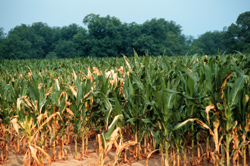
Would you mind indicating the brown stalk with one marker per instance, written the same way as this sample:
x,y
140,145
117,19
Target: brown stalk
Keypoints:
x,y
87,143
224,84
16,127
145,144
45,122
236,144
43,152
83,135
123,146
149,155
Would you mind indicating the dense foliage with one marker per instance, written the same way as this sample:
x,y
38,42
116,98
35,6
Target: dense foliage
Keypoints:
x,y
165,103
109,37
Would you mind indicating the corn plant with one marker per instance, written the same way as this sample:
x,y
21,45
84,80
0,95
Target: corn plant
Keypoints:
x,y
139,102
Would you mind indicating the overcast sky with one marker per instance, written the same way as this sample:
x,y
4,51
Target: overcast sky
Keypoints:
x,y
195,16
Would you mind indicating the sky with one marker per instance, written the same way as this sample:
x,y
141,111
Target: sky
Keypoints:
x,y
195,16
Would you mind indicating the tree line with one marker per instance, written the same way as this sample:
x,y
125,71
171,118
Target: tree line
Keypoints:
x,y
108,36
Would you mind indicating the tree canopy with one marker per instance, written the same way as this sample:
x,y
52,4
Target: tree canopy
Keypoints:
x,y
108,36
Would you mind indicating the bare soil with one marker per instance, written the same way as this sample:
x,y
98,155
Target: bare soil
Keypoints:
x,y
91,158
88,160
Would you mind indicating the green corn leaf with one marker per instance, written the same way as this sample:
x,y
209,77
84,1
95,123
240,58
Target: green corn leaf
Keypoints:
x,y
189,72
132,120
137,81
208,74
79,94
146,120
112,126
117,107
238,85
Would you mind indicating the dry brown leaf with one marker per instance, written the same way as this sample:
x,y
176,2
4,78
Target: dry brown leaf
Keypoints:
x,y
121,70
19,101
128,73
89,76
126,60
66,154
216,135
225,80
122,146
85,96
96,71
29,75
72,89
15,124
74,75
190,70
20,76
112,141
33,153
50,75
63,94
28,102
43,152
224,84
40,86
205,126
57,84
114,120
149,155
100,144
41,117
208,108
69,111
25,158
45,122
36,105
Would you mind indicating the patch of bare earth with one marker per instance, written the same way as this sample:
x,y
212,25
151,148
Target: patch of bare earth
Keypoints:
x,y
91,158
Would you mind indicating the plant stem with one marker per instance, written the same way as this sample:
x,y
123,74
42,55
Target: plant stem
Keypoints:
x,y
178,156
136,140
145,144
83,142
75,145
207,141
87,143
18,142
63,147
192,129
166,153
227,149
198,147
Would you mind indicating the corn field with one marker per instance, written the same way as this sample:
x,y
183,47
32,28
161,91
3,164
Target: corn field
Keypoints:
x,y
137,106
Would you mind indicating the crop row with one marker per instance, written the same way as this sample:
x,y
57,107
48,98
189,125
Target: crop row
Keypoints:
x,y
139,105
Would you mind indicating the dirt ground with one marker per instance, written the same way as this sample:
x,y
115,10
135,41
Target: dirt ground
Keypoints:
x,y
91,158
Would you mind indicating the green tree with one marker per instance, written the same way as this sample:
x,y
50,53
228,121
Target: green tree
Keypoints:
x,y
3,45
2,34
159,36
23,43
45,32
237,36
104,35
51,55
130,32
243,24
208,43
80,41
188,43
65,49
230,39
68,32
